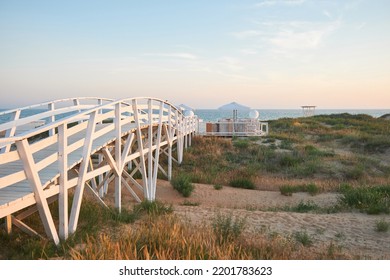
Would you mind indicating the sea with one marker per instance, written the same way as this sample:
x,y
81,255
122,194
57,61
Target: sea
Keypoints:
x,y
273,114
211,115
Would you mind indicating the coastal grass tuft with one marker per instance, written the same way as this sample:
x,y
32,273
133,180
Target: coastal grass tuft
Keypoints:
x,y
305,207
182,183
228,228
243,183
369,199
382,226
288,190
152,208
304,238
167,238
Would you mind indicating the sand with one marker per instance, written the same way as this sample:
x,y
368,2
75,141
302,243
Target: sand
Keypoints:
x,y
353,231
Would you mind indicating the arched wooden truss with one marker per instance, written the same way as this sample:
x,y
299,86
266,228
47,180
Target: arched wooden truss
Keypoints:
x,y
85,143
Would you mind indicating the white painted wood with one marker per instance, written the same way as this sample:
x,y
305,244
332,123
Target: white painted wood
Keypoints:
x,y
126,174
130,190
8,224
157,154
63,182
140,149
35,182
150,156
25,228
126,150
118,156
75,212
52,118
11,131
158,126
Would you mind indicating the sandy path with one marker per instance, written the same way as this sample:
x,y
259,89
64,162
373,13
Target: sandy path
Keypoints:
x,y
354,232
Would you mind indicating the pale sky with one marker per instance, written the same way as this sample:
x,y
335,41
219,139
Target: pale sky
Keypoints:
x,y
204,53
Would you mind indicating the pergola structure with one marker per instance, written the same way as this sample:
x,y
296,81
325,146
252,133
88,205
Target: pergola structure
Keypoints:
x,y
308,110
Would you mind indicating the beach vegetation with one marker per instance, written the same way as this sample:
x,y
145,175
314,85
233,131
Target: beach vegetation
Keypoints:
x,y
304,238
243,183
190,203
288,190
305,207
369,199
182,183
382,226
228,228
152,208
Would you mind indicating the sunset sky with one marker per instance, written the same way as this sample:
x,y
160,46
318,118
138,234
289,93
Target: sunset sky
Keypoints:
x,y
204,53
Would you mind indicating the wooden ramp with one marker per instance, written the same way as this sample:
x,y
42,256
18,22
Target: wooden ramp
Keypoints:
x,y
85,143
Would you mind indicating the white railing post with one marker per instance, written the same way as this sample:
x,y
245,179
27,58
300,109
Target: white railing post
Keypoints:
x,y
157,152
52,118
63,181
141,150
170,136
75,212
35,183
118,156
150,154
180,138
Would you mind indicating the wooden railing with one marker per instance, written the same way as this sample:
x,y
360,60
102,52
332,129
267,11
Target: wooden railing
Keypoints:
x,y
102,142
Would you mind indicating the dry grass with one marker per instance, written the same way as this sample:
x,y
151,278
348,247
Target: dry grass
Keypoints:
x,y
166,238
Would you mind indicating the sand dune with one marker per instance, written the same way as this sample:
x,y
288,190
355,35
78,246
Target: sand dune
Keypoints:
x,y
353,231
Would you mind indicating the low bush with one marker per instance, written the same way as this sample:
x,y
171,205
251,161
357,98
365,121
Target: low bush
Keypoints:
x,y
288,190
304,238
243,183
382,226
182,183
369,199
304,207
228,228
154,208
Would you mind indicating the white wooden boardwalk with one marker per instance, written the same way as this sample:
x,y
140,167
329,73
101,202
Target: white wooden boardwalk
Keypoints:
x,y
85,143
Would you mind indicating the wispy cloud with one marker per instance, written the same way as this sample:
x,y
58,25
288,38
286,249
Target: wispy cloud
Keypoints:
x,y
186,56
327,14
361,26
248,51
302,35
247,34
291,34
230,63
267,3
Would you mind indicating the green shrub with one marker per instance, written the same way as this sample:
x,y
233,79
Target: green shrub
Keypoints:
x,y
304,207
241,143
218,187
289,161
228,228
190,203
355,173
312,189
382,226
288,190
286,144
304,238
243,183
182,183
154,208
373,200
